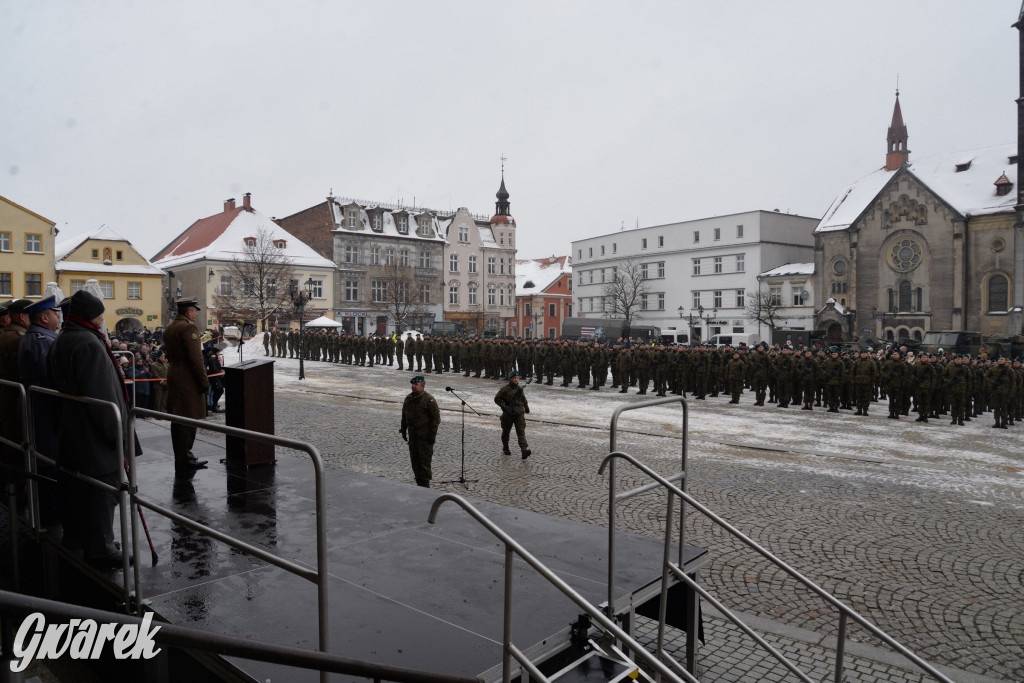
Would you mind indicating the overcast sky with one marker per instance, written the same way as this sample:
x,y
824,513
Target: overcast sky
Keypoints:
x,y
145,116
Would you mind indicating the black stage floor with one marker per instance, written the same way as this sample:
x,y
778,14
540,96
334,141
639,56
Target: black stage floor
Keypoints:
x,y
402,591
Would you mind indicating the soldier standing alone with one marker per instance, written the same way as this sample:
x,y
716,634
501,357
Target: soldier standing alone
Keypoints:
x,y
186,382
512,401
420,419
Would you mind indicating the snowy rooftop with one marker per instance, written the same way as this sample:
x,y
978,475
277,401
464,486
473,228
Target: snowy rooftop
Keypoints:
x,y
389,222
790,269
970,191
221,237
65,245
541,272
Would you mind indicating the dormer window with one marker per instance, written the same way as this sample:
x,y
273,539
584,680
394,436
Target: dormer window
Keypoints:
x,y
1012,160
280,244
403,224
963,166
378,223
250,241
425,228
1003,185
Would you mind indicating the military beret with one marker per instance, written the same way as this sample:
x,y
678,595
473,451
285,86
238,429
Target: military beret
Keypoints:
x,y
418,379
514,373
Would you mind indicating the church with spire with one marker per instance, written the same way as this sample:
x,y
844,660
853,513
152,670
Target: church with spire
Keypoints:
x,y
922,244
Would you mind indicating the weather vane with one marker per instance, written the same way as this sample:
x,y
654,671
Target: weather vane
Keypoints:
x,y
503,160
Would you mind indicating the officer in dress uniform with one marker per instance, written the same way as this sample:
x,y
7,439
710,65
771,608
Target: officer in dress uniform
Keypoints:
x,y
186,382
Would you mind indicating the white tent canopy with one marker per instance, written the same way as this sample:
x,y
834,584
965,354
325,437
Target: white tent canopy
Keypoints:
x,y
323,321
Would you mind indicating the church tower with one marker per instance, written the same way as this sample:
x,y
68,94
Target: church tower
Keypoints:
x,y
501,206
897,153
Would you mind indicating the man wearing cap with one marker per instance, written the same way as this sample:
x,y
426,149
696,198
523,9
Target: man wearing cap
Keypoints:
x,y
10,405
81,364
186,382
420,419
512,401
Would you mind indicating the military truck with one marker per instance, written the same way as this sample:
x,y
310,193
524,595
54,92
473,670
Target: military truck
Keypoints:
x,y
605,328
959,342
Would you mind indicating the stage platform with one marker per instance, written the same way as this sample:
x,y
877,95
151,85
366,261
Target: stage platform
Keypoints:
x,y
402,591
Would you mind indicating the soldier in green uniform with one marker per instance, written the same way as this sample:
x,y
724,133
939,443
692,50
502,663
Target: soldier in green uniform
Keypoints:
x,y
1001,381
807,379
865,374
734,371
420,419
512,401
956,388
266,343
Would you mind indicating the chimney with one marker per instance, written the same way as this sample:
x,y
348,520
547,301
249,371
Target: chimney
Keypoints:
x,y
246,202
229,204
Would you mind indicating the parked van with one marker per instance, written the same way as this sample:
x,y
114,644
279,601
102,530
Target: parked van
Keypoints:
x,y
674,335
733,339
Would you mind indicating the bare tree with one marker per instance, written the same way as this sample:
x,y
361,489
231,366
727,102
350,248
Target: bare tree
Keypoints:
x,y
765,307
395,293
625,295
258,286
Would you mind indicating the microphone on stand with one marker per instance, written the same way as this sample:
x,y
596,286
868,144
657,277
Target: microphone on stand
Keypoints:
x,y
447,388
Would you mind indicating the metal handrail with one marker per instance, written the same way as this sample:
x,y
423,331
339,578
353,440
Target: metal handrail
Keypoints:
x,y
513,548
17,604
844,611
612,499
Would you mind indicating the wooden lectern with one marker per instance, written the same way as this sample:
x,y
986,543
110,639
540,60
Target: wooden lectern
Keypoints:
x,y
249,394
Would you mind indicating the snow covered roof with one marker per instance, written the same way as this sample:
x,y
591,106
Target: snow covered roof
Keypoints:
x,y
221,237
64,246
389,223
965,180
542,273
487,237
790,269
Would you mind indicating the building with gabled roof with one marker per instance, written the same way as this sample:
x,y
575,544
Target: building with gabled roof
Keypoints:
x,y
922,244
200,260
132,286
543,297
26,251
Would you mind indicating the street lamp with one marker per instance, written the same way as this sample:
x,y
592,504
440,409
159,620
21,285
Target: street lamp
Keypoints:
x,y
707,318
300,297
690,317
172,296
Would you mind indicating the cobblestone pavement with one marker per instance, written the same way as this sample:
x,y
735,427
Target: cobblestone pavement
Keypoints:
x,y
917,527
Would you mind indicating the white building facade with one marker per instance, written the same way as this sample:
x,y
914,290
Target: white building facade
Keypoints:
x,y
697,274
791,289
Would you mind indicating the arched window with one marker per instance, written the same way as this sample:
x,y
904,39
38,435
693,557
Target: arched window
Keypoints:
x,y
998,291
902,334
888,335
891,307
917,335
919,299
905,302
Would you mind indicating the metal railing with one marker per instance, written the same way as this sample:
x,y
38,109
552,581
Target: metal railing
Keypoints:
x,y
845,612
16,604
509,650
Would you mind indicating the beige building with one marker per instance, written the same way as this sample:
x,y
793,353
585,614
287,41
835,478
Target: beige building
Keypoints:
x,y
26,252
131,285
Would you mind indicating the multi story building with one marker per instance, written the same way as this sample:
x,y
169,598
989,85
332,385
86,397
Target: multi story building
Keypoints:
x,y
26,251
452,266
131,285
694,274
203,262
788,298
543,297
926,244
480,268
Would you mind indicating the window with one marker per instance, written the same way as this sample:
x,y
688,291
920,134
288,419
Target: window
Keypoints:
x,y
661,300
106,286
492,265
643,302
718,264
378,290
502,264
717,302
741,298
120,255
472,293
568,310
696,236
34,285
839,288
590,277
5,284
696,266
775,296
796,295
403,258
615,248
602,275
425,227
501,296
225,287
352,218
718,234
643,243
453,263
95,253
590,252
5,242
425,293
644,274
492,296
998,290
552,310
250,242
134,290
661,268
472,264
271,286
424,259
501,238
33,243
602,250
906,298
579,253
739,231
316,289
403,224
77,286
374,256
464,234
661,241
280,244
351,254
378,222
401,291
351,290
741,263
695,304
389,256
453,296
